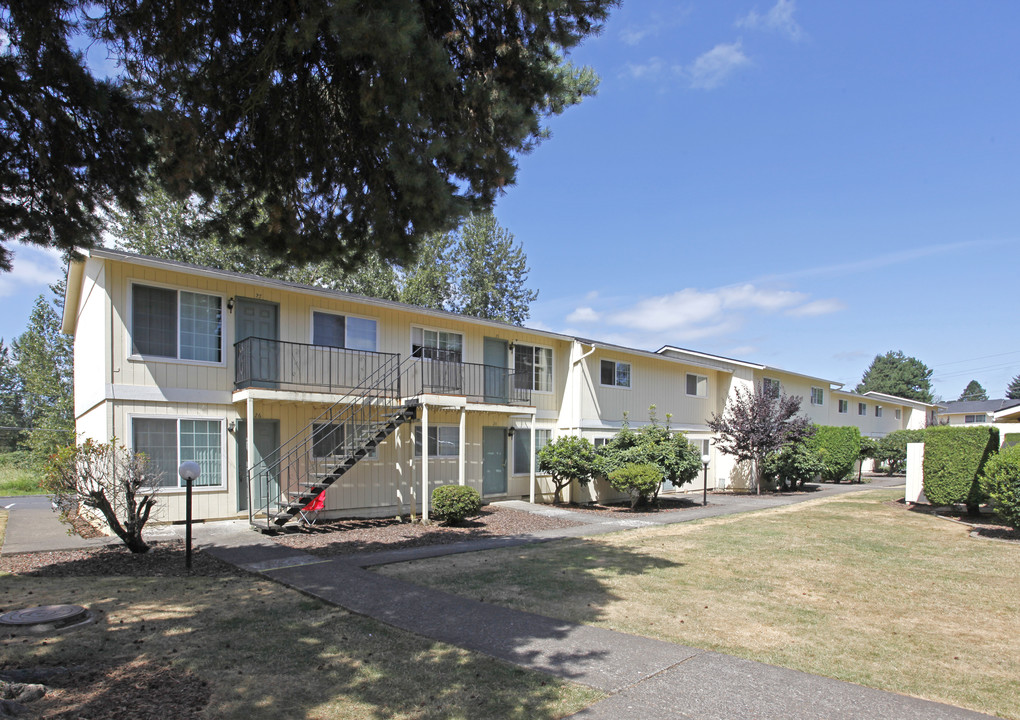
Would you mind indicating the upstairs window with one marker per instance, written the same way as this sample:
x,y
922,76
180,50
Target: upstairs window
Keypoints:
x,y
533,368
697,385
176,324
878,411
614,374
437,345
343,331
862,408
899,414
844,406
771,387
817,396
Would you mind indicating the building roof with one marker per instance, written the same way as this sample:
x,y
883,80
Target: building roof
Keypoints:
x,y
976,407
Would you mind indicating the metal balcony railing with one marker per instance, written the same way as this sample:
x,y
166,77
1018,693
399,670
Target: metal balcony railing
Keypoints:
x,y
477,383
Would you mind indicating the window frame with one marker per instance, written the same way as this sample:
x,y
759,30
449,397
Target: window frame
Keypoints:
x,y
878,411
534,365
767,383
178,289
181,487
345,316
843,408
899,413
687,391
616,374
975,418
426,328
821,396
862,409
526,433
417,435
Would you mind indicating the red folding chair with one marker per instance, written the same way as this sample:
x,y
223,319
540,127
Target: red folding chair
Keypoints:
x,y
310,512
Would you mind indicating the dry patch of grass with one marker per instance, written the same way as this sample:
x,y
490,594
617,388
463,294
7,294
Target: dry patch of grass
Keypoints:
x,y
848,587
258,650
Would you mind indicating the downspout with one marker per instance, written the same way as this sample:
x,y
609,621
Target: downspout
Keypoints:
x,y
577,387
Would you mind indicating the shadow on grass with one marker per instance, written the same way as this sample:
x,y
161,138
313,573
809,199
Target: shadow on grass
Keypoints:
x,y
263,651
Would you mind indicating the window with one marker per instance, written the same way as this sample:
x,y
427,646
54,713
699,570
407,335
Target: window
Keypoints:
x,y
599,442
343,331
771,387
170,441
176,324
522,441
327,439
702,445
697,385
974,418
615,374
878,411
444,441
437,344
844,406
899,414
533,368
862,408
817,396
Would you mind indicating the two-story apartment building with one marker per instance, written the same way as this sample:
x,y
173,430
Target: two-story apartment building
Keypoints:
x,y
280,390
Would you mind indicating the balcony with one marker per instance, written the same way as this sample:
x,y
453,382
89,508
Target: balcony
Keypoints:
x,y
278,365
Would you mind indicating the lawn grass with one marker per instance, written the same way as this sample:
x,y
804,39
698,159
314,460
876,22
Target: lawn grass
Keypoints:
x,y
850,587
18,476
270,652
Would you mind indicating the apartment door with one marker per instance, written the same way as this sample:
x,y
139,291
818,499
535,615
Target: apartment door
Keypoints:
x,y
259,360
267,443
494,356
493,461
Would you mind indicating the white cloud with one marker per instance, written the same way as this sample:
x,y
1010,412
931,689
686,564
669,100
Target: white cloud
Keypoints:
x,y
741,351
778,19
635,34
34,269
584,315
652,68
710,69
817,307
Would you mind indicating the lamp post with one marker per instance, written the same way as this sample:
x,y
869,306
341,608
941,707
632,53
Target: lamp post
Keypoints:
x,y
189,472
704,489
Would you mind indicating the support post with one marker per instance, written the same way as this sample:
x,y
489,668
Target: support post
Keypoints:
x,y
425,463
249,444
461,472
534,461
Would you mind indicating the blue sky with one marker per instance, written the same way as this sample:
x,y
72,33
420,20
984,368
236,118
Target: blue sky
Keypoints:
x,y
803,184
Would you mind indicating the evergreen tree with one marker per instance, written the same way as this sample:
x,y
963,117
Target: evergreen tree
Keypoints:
x,y
973,391
317,130
492,272
429,280
44,368
1013,389
12,413
899,375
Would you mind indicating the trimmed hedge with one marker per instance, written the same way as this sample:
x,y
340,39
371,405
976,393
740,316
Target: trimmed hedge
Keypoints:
x,y
838,449
1001,482
453,503
953,460
1010,439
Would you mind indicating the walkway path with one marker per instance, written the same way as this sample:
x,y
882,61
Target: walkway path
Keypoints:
x,y
648,679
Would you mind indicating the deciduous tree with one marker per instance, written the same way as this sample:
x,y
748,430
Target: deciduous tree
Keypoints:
x,y
567,459
896,374
319,130
756,423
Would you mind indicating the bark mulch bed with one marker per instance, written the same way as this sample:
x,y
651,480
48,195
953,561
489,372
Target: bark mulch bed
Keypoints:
x,y
347,537
164,559
985,525
662,504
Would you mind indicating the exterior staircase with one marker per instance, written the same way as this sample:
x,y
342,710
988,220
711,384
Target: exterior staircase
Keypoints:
x,y
328,447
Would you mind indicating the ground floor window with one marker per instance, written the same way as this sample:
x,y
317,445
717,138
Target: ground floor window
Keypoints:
x,y
522,446
444,441
170,441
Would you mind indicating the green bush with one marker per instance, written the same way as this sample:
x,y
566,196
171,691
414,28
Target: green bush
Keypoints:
x,y
1001,482
453,503
794,465
953,460
838,449
892,449
641,480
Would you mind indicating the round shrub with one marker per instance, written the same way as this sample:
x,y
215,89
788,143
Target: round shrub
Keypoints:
x,y
641,480
1001,482
792,466
453,503
838,448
